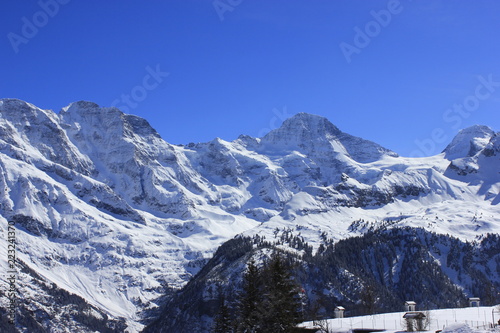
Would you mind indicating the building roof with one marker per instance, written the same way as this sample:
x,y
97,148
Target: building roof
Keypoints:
x,y
410,302
414,315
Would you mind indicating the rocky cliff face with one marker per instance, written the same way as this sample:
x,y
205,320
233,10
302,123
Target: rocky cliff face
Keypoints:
x,y
107,210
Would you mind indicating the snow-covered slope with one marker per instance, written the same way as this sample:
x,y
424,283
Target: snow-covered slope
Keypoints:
x,y
103,207
109,211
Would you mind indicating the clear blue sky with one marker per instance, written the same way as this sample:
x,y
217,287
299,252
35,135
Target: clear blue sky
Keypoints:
x,y
237,66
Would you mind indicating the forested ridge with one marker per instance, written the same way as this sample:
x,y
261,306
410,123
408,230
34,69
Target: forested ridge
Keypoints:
x,y
373,273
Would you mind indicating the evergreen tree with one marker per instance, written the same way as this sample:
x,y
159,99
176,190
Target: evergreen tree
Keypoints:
x,y
223,323
281,297
250,304
368,299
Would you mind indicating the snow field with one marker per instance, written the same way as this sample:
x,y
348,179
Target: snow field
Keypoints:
x,y
449,320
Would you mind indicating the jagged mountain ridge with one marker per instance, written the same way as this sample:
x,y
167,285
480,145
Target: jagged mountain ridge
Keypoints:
x,y
109,211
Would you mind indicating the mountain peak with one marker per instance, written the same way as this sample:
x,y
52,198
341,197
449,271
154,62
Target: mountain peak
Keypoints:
x,y
302,128
81,105
11,101
16,105
81,108
311,123
468,142
20,112
317,133
105,119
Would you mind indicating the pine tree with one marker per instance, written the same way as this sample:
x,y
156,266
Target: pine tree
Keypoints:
x,y
251,302
223,323
281,297
368,299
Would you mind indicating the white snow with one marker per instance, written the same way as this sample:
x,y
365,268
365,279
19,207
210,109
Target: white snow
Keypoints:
x,y
118,213
460,320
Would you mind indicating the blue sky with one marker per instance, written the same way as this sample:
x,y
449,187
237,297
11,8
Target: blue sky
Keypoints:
x,y
405,74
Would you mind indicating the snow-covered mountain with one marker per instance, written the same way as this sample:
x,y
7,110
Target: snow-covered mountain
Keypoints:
x,y
107,210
